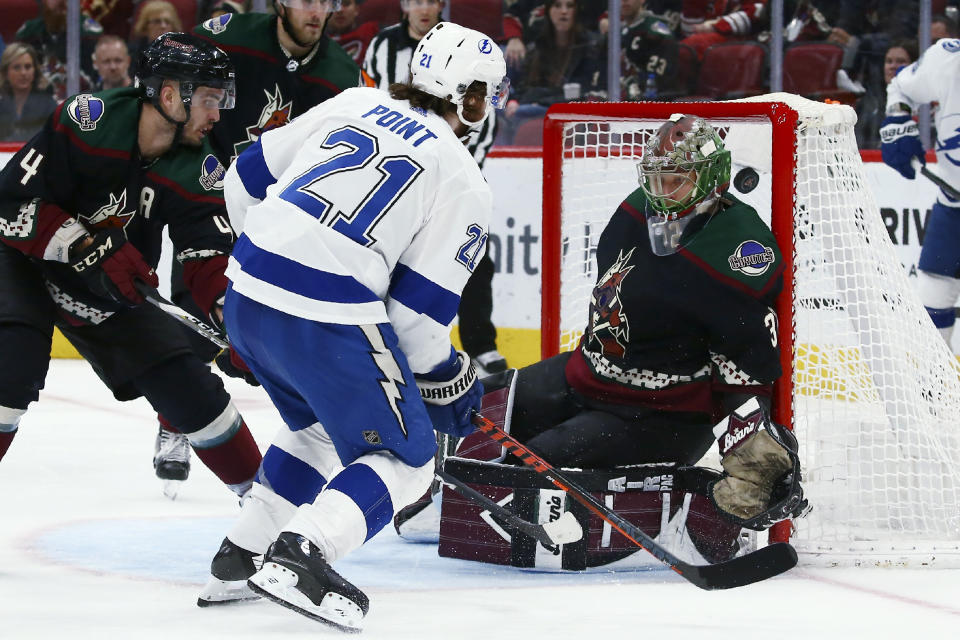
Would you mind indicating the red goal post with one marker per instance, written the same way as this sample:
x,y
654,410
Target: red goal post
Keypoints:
x,y
868,384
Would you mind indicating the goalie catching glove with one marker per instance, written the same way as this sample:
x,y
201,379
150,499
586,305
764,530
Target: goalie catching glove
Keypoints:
x,y
451,393
761,483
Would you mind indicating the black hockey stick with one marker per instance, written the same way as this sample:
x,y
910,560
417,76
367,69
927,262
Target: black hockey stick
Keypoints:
x,y
935,179
551,535
210,333
759,565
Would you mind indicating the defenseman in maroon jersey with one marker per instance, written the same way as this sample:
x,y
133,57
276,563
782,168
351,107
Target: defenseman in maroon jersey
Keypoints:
x,y
681,333
82,209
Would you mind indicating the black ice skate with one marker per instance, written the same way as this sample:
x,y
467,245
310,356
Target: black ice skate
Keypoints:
x,y
171,460
229,571
295,575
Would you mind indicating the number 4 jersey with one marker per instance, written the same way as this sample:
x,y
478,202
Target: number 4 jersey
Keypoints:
x,y
83,173
363,210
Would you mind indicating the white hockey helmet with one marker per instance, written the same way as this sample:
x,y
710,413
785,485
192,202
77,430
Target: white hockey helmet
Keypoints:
x,y
450,58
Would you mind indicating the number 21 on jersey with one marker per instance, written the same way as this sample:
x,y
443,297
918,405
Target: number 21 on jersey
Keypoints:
x,y
357,150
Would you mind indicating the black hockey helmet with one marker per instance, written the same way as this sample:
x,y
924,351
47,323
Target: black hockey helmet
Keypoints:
x,y
189,59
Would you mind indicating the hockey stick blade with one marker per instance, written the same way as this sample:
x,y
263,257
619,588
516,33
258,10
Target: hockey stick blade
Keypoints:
x,y
181,316
550,535
759,565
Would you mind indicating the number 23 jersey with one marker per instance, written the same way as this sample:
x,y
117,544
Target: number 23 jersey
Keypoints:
x,y
363,210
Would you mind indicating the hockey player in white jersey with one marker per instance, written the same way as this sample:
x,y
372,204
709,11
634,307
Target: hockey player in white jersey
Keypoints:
x,y
934,77
361,221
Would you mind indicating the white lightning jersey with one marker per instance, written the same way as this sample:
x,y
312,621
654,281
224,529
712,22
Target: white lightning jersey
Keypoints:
x,y
360,211
935,77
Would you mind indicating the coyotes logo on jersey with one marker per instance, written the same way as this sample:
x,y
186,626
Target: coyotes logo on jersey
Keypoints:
x,y
275,114
608,324
112,214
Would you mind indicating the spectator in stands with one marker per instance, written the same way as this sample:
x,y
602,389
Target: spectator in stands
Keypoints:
x,y
155,18
112,63
47,34
942,27
872,106
564,54
648,53
706,23
24,104
344,30
113,15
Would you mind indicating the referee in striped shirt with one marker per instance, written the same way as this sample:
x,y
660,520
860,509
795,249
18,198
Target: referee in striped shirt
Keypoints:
x,y
388,61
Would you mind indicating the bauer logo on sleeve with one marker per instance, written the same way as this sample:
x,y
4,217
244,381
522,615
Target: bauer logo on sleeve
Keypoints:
x,y
752,258
211,173
85,110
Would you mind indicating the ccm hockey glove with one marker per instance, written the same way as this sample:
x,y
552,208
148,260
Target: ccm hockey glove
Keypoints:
x,y
109,265
761,483
233,365
900,144
451,393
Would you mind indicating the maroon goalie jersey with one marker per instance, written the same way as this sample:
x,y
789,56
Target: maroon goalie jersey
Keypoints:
x,y
674,332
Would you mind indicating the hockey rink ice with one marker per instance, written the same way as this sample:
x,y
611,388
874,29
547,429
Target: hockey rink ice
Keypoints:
x,y
90,548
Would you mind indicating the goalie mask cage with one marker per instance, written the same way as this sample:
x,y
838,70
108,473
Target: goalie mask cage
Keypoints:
x,y
869,386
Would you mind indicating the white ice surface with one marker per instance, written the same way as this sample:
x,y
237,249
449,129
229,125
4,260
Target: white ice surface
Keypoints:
x,y
90,548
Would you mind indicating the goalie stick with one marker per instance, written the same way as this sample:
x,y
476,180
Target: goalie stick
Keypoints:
x,y
551,535
758,565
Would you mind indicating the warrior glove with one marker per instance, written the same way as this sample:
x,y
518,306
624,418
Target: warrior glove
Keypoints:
x,y
900,144
451,393
761,483
110,265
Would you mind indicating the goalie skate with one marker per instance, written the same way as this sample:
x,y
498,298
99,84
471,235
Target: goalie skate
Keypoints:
x,y
229,571
296,576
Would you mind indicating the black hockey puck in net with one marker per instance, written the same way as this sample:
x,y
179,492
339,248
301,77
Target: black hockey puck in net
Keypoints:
x,y
746,180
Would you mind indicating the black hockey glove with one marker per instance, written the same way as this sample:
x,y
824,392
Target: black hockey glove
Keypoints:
x,y
233,365
109,265
761,483
451,394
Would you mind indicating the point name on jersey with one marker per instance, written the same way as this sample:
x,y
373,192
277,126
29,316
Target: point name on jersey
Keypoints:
x,y
402,125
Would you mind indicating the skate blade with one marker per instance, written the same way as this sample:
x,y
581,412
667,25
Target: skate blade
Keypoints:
x,y
278,584
219,592
171,488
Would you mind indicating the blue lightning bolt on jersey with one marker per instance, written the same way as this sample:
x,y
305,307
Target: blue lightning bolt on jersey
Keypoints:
x,y
361,211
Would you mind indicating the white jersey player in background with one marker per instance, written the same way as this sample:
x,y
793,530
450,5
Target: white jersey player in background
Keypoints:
x,y
361,221
934,77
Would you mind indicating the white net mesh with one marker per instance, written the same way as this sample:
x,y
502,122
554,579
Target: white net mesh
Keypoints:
x,y
876,404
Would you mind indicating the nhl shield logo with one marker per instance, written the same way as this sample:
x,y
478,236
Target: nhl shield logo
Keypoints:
x,y
751,258
218,24
211,173
372,436
85,110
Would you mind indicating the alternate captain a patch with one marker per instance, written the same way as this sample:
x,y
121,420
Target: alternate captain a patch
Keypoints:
x,y
212,173
86,110
752,258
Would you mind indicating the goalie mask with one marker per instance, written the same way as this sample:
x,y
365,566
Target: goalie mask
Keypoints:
x,y
683,171
450,58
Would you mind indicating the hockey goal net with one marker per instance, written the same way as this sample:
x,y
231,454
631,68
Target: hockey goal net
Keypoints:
x,y
869,386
